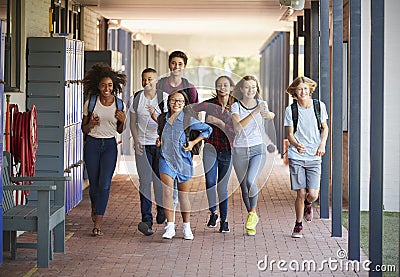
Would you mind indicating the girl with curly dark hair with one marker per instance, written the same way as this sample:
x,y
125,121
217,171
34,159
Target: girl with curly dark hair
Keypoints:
x,y
100,125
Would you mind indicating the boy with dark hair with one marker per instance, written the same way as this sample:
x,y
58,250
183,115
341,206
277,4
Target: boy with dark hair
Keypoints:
x,y
177,62
143,105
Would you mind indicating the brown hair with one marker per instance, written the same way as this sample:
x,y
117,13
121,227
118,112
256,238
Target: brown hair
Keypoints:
x,y
231,83
178,54
237,94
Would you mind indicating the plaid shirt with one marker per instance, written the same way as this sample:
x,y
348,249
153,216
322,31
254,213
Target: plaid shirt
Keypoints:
x,y
221,140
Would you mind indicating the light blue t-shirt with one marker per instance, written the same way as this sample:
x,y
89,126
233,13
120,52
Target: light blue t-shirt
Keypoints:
x,y
307,132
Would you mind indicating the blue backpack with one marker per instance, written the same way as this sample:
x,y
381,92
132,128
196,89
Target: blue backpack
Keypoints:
x,y
93,101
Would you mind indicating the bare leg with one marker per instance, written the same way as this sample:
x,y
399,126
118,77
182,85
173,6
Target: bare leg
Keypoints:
x,y
299,204
312,195
184,189
168,188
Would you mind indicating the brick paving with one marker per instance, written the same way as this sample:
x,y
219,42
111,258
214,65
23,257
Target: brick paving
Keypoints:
x,y
124,251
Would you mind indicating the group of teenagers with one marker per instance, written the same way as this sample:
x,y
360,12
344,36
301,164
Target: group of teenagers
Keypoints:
x,y
160,116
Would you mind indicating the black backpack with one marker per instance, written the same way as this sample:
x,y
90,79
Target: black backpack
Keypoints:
x,y
160,100
190,134
295,114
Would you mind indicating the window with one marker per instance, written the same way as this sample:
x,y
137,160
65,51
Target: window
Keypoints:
x,y
66,18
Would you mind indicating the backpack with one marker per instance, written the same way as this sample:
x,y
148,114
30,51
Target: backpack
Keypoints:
x,y
93,101
295,114
160,100
190,134
185,85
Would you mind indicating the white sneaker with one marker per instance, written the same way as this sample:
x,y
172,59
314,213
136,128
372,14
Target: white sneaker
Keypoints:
x,y
169,231
187,232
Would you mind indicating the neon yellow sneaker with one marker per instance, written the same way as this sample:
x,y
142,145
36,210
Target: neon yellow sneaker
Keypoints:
x,y
252,220
251,232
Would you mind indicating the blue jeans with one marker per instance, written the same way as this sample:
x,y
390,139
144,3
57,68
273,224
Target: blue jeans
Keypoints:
x,y
147,166
217,164
100,156
248,163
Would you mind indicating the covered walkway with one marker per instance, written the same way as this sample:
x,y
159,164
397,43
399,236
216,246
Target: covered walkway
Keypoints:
x,y
124,251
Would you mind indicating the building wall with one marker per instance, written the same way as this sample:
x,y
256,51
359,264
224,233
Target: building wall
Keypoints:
x,y
37,18
35,22
89,29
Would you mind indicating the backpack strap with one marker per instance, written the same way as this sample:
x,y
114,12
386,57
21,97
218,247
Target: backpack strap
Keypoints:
x,y
161,123
295,115
119,104
186,88
317,111
160,100
186,125
162,83
92,104
136,100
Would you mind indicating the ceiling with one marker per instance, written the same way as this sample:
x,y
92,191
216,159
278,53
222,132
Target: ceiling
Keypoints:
x,y
200,27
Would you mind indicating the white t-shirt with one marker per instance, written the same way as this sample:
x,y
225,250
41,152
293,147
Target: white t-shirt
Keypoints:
x,y
307,132
108,121
251,134
146,126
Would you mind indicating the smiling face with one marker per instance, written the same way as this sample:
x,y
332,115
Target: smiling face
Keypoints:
x,y
176,66
149,80
106,87
249,89
223,87
176,102
303,92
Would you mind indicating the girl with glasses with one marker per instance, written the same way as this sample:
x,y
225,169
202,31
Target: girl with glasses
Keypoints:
x,y
176,159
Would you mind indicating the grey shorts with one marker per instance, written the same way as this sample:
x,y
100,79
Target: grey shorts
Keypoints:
x,y
305,174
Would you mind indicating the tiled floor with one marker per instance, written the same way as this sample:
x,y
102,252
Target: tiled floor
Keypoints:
x,y
124,251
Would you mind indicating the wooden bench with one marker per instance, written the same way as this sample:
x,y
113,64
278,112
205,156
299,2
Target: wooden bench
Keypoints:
x,y
45,217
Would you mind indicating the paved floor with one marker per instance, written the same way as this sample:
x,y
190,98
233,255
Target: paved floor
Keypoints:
x,y
124,251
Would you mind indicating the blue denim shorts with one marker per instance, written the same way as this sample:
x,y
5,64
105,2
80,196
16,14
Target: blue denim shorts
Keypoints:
x,y
174,174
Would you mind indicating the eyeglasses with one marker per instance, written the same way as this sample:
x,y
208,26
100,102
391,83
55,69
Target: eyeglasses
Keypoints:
x,y
179,101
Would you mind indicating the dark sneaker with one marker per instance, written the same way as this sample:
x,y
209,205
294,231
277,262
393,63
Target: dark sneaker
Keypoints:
x,y
145,228
160,218
212,223
308,212
224,228
297,231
